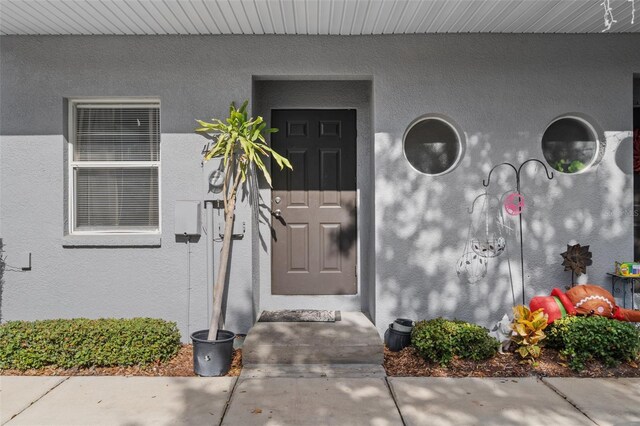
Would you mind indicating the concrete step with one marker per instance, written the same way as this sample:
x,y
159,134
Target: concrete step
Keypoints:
x,y
352,371
352,340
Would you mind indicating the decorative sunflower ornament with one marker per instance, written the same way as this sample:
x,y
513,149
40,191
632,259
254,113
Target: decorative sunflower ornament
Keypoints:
x,y
576,260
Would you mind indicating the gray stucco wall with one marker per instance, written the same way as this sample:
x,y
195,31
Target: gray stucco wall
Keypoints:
x,y
502,90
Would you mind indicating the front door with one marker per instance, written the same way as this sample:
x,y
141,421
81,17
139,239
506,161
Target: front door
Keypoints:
x,y
314,206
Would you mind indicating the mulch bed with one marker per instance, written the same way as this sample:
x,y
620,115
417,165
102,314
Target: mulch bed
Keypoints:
x,y
408,363
179,366
405,363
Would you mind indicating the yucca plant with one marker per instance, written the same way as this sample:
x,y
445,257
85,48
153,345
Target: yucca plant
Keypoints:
x,y
240,140
529,331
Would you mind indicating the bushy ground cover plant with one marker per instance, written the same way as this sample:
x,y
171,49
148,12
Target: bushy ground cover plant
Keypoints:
x,y
81,342
528,327
581,339
440,340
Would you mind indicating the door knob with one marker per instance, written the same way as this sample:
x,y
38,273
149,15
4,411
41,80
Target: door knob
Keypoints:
x,y
277,213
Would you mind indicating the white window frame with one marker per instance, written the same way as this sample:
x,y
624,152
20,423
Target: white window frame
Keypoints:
x,y
459,140
73,165
596,156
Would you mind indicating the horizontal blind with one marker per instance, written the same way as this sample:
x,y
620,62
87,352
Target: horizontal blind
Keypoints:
x,y
117,134
122,198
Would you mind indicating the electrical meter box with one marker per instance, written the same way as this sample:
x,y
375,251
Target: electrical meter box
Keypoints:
x,y
187,218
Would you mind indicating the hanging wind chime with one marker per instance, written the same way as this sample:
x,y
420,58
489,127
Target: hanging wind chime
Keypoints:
x,y
480,246
471,267
491,243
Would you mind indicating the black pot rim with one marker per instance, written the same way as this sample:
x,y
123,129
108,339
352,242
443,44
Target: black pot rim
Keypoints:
x,y
404,321
200,340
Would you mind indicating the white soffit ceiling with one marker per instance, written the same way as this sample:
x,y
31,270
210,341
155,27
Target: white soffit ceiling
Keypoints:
x,y
339,17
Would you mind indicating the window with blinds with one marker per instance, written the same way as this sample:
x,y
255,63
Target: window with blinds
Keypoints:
x,y
115,160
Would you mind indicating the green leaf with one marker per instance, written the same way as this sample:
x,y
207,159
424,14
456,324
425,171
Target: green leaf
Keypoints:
x,y
238,135
263,169
534,351
204,123
523,351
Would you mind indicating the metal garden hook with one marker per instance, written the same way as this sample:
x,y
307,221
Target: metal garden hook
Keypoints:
x,y
487,182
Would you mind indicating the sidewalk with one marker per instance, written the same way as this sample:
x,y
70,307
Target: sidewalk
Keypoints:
x,y
316,401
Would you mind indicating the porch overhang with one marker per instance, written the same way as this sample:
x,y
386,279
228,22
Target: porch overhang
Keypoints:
x,y
312,17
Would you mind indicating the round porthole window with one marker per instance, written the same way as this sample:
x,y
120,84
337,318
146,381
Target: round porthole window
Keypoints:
x,y
570,144
433,145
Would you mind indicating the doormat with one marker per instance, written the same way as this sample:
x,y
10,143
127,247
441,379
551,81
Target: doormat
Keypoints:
x,y
300,315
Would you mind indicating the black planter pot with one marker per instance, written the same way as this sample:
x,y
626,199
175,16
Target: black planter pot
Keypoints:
x,y
212,358
396,340
402,324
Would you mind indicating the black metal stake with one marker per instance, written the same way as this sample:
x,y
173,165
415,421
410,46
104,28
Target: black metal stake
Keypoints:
x,y
521,255
517,171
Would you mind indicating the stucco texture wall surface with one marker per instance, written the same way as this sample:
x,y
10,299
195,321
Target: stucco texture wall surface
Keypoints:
x,y
502,90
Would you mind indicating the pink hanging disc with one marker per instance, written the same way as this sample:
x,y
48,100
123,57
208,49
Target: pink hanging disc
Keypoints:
x,y
514,203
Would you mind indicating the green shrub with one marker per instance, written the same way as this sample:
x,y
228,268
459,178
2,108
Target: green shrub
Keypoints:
x,y
84,342
581,339
439,340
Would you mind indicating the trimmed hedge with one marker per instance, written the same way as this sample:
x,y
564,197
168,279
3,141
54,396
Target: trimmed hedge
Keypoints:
x,y
439,340
581,339
82,342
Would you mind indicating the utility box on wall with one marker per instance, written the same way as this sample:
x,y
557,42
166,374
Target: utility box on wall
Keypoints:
x,y
187,218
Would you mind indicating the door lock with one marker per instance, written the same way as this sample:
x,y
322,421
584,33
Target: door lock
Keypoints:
x,y
277,200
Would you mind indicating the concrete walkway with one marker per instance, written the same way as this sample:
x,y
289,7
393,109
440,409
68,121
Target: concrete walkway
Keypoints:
x,y
317,401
